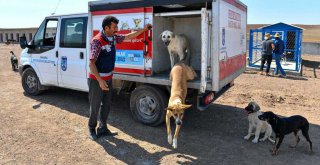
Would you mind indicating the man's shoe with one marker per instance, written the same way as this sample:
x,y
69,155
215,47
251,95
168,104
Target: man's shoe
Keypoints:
x,y
261,72
93,134
105,132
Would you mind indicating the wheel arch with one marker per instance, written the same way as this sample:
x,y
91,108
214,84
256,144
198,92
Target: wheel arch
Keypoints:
x,y
160,93
36,70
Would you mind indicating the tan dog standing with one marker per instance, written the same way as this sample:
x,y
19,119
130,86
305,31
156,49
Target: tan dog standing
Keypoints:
x,y
179,76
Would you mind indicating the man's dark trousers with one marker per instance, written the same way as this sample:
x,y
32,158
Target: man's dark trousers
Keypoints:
x,y
100,103
265,58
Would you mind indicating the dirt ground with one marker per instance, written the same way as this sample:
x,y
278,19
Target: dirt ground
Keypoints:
x,y
52,128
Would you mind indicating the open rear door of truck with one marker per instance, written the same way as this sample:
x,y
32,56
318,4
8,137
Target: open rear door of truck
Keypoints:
x,y
229,40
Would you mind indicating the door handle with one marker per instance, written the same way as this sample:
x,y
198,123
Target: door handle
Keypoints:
x,y
57,54
81,55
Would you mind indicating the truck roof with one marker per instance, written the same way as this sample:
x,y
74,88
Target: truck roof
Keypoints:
x,y
124,4
69,15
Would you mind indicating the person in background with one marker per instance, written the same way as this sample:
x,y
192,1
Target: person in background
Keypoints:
x,y
101,64
278,52
267,48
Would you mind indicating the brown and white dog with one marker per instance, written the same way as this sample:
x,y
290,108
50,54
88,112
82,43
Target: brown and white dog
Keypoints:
x,y
179,76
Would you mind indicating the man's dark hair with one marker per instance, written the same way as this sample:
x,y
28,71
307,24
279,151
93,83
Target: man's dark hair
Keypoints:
x,y
107,21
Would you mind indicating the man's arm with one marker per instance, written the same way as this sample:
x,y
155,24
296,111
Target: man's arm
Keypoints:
x,y
137,33
273,47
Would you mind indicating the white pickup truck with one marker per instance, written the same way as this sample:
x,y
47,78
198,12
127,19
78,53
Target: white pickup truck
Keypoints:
x,y
216,30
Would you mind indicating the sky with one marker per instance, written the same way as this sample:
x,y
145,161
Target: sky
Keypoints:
x,y
30,13
286,11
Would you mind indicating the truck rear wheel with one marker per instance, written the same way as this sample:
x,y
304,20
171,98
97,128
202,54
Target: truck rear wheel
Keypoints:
x,y
30,82
147,104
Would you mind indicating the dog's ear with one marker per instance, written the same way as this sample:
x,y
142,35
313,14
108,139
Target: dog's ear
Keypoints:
x,y
184,106
255,106
161,35
172,35
173,107
249,107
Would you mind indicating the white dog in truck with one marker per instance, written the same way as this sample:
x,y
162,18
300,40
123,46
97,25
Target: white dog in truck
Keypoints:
x,y
178,47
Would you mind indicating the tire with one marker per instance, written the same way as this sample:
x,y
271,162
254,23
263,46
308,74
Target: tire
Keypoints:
x,y
147,104
30,82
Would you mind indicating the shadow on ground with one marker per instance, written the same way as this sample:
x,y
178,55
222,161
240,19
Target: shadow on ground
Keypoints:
x,y
214,136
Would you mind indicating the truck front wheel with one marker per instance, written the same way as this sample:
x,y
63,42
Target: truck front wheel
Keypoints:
x,y
30,82
147,104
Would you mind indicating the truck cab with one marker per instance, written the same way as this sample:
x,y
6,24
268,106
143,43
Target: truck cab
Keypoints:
x,y
57,54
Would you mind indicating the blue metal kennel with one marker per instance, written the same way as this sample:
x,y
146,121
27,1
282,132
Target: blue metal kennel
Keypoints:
x,y
292,37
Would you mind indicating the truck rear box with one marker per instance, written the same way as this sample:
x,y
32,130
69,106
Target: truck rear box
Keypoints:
x,y
216,31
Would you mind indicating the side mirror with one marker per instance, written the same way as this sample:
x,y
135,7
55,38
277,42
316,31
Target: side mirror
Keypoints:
x,y
23,42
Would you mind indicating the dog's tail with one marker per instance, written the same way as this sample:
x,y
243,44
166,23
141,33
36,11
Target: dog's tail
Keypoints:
x,y
271,140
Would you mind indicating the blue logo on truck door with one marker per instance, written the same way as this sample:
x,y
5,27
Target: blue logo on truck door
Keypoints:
x,y
64,62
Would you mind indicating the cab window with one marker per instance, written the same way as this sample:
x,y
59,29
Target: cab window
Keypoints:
x,y
46,34
73,32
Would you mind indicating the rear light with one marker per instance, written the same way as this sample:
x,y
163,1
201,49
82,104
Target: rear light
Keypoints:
x,y
207,99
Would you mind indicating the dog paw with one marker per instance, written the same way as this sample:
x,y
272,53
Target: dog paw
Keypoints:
x,y
310,152
262,140
255,141
247,137
272,141
175,143
292,146
170,139
274,153
271,150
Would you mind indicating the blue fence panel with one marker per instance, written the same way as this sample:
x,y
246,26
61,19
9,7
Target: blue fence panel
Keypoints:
x,y
292,39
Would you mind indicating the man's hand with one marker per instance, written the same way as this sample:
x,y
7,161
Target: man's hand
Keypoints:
x,y
137,33
103,85
147,27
